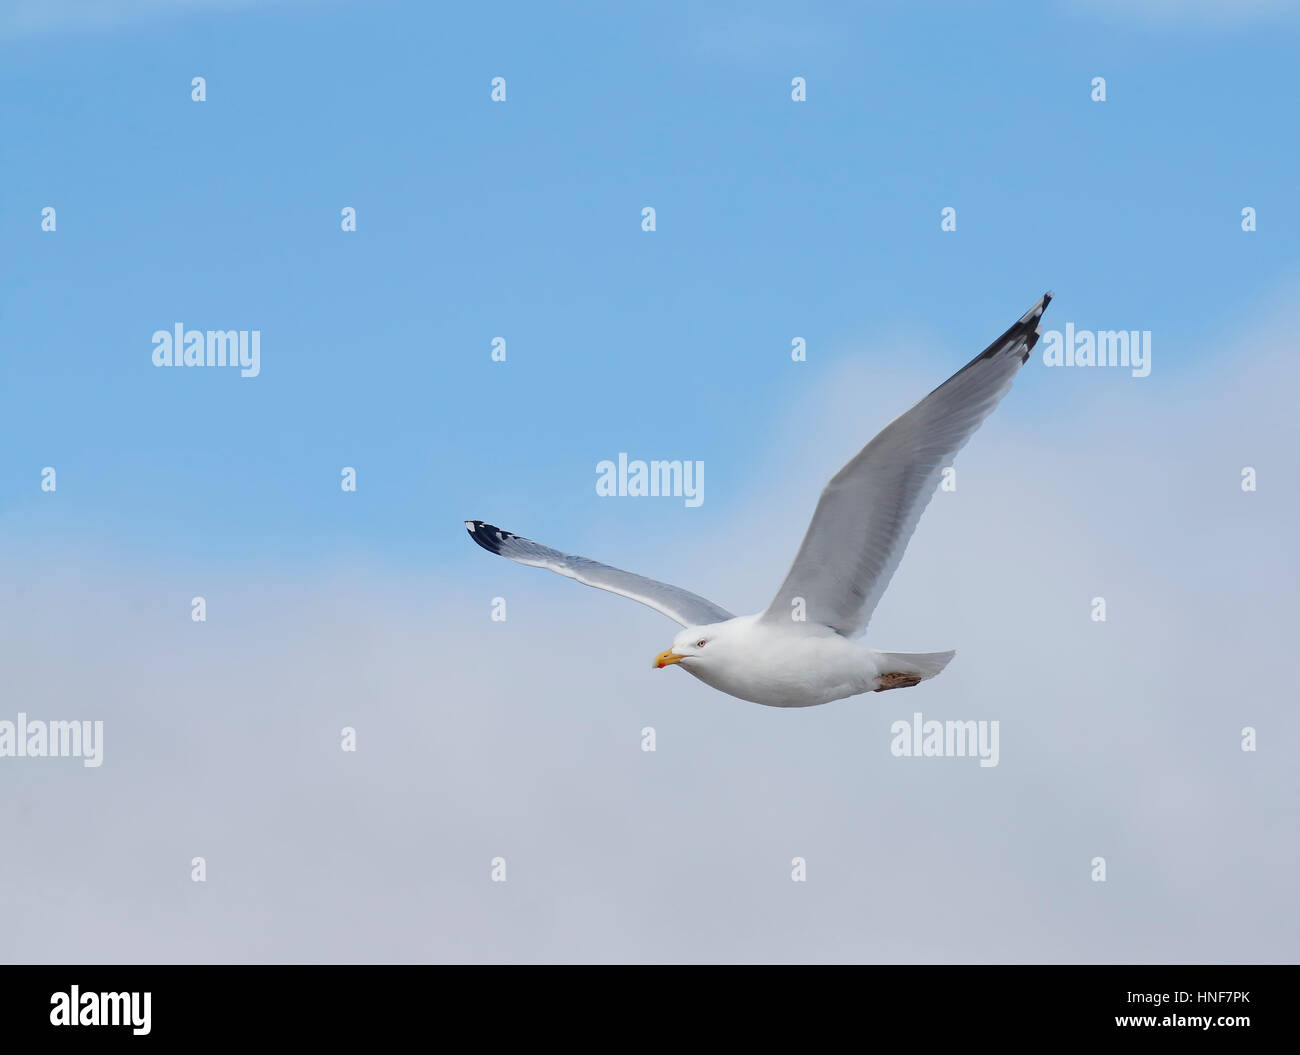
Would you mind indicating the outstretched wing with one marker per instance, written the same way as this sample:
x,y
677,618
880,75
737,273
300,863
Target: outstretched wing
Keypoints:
x,y
677,604
868,511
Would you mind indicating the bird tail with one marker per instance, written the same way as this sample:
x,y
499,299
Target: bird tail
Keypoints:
x,y
921,665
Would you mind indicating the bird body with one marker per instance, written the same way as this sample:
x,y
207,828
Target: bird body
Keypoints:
x,y
796,666
800,651
800,665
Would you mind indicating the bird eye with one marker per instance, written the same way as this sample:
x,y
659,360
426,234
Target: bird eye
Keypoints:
x,y
700,643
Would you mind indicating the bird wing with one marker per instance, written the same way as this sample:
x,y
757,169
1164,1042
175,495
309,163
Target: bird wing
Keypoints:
x,y
677,604
870,508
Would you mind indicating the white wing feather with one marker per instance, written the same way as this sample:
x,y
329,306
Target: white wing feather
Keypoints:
x,y
677,604
868,511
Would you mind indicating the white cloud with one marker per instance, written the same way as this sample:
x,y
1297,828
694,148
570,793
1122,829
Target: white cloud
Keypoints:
x,y
522,739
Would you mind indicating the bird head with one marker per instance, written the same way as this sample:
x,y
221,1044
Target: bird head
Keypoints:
x,y
691,646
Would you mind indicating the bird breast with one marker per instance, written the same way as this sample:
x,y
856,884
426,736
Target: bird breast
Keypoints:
x,y
779,667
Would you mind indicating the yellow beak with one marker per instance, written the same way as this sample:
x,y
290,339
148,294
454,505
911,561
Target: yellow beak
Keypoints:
x,y
667,659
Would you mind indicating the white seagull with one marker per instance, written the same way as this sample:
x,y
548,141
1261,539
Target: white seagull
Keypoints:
x,y
800,651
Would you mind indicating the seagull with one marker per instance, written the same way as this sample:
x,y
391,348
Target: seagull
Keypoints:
x,y
800,651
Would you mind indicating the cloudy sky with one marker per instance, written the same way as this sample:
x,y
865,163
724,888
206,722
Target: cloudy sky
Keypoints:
x,y
522,739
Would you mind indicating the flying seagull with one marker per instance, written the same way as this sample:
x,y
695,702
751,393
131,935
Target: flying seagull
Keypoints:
x,y
858,533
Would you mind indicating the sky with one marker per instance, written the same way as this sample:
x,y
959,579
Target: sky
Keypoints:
x,y
774,220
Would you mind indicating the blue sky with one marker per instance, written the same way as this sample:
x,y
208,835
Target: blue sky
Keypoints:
x,y
775,220
522,220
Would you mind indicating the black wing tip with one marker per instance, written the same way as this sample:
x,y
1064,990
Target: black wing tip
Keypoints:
x,y
1028,326
1034,315
1040,306
489,536
1025,330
